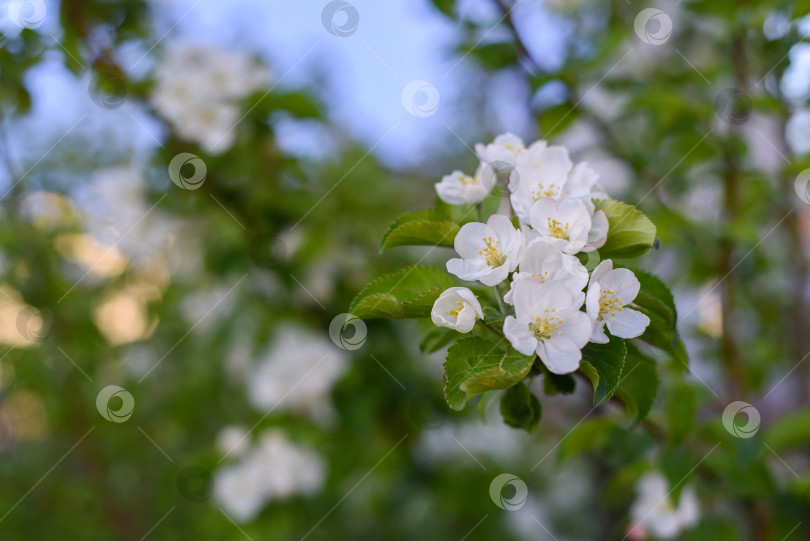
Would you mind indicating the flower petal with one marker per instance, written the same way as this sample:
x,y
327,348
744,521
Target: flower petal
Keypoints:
x,y
560,354
628,323
519,335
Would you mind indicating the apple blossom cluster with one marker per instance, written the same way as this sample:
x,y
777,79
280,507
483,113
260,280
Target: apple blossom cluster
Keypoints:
x,y
654,513
558,306
273,469
197,89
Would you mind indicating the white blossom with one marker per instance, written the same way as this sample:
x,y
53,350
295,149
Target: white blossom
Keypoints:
x,y
196,90
609,292
489,252
565,224
297,373
273,469
504,149
540,171
458,188
548,321
654,511
457,308
542,262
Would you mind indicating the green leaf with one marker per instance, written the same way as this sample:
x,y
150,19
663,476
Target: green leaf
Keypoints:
x,y
630,232
603,364
656,297
424,228
445,6
639,384
520,408
588,435
410,292
680,409
495,56
437,338
676,466
557,118
475,365
789,432
558,383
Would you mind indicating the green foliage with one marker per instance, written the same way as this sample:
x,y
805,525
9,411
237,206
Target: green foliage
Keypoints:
x,y
409,292
630,232
475,365
425,228
603,364
639,385
520,408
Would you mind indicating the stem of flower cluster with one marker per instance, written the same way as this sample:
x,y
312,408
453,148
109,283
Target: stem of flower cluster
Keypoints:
x,y
499,297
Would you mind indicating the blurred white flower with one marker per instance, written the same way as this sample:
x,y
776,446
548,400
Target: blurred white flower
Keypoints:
x,y
458,188
504,149
654,511
489,252
196,90
275,468
609,293
233,440
457,308
116,214
297,374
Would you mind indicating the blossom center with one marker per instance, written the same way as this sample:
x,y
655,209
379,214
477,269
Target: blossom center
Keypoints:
x,y
557,229
492,255
552,191
458,308
466,180
609,303
544,327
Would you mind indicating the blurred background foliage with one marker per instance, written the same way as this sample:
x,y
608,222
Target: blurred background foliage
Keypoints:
x,y
114,275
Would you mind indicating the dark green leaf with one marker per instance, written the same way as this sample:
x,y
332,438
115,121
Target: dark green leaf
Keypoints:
x,y
558,383
409,292
520,408
424,228
603,364
475,365
639,384
680,408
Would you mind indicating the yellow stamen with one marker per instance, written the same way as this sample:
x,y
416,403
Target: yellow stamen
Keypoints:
x,y
557,229
552,191
609,303
544,327
466,180
493,255
459,307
